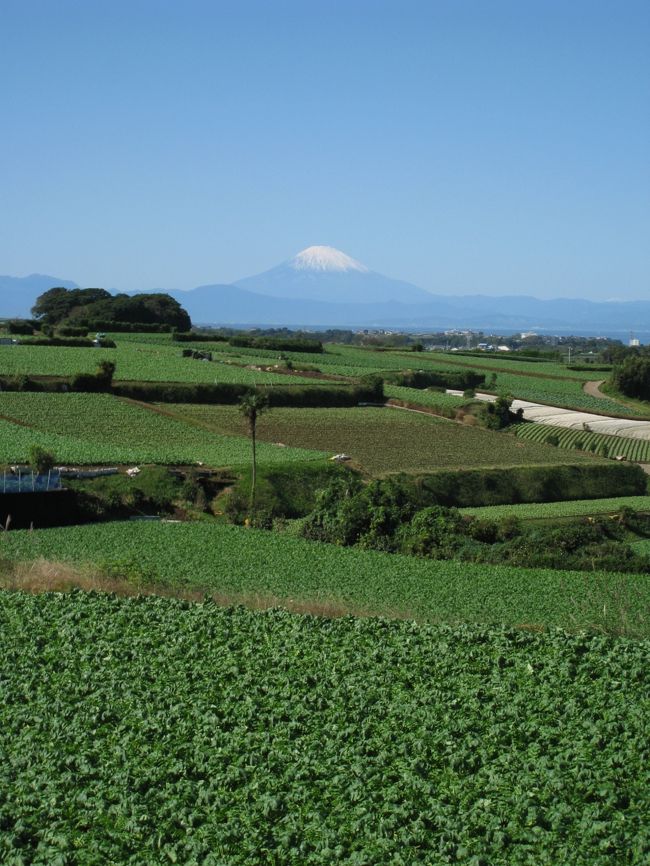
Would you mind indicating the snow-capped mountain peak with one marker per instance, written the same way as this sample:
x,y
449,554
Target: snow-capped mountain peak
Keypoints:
x,y
322,258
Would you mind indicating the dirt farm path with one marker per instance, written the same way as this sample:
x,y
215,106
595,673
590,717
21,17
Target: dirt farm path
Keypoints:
x,y
593,389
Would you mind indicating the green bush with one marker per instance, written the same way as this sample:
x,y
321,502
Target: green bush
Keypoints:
x,y
280,344
155,489
95,382
283,492
72,331
20,326
40,459
476,487
457,380
368,390
632,377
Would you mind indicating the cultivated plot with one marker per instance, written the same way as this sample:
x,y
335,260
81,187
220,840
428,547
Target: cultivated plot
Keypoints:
x,y
100,428
157,731
381,440
255,564
571,508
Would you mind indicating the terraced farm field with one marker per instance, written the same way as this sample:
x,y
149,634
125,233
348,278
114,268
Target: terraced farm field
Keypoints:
x,y
99,428
422,397
549,383
148,361
557,392
600,443
255,565
575,508
154,357
381,440
150,731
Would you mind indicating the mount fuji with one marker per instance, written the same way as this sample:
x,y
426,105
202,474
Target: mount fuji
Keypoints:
x,y
323,273
322,286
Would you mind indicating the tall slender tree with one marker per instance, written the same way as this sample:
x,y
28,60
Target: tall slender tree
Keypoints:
x,y
252,405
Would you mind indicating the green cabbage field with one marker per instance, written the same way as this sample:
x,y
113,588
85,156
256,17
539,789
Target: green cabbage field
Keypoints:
x,y
100,428
150,731
148,361
253,564
573,508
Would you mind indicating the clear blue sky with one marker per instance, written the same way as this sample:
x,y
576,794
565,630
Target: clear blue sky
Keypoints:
x,y
494,146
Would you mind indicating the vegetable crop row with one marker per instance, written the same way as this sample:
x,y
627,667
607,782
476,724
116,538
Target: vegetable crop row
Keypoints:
x,y
599,443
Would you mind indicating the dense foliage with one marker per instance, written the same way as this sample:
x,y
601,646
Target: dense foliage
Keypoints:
x,y
146,731
278,394
632,377
455,379
83,306
392,516
57,304
281,344
72,341
513,484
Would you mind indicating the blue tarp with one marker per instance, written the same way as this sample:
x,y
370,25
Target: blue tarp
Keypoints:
x,y
29,482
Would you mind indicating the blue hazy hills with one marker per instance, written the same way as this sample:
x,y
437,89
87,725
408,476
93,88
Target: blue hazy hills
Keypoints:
x,y
322,286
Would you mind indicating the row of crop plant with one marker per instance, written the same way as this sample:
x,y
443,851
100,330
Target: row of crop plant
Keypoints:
x,y
606,445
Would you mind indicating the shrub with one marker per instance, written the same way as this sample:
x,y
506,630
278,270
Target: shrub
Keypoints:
x,y
632,377
498,415
40,459
370,390
281,344
72,331
531,484
99,381
20,326
457,380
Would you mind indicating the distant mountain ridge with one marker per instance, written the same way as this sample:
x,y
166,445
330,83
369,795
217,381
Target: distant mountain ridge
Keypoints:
x,y
230,304
323,286
18,294
322,273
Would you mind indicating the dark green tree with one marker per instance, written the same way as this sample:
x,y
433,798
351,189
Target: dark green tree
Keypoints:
x,y
57,304
632,377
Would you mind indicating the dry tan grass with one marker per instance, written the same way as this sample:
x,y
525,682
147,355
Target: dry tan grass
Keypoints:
x,y
43,575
